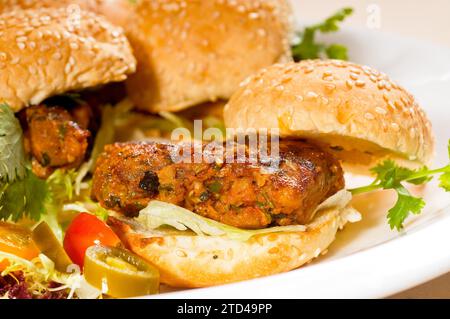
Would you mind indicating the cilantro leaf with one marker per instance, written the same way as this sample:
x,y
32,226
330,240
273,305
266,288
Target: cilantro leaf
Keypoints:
x,y
12,154
406,204
391,176
23,198
444,180
308,48
337,51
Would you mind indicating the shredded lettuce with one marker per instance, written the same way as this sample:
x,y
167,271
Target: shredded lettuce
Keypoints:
x,y
157,214
88,206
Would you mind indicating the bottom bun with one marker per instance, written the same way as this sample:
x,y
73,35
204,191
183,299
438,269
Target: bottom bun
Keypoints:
x,y
188,260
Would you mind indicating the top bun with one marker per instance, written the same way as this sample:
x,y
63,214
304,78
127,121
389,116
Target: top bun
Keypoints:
x,y
9,5
356,111
45,52
191,52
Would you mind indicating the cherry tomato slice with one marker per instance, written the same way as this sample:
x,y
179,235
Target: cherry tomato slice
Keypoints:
x,y
87,230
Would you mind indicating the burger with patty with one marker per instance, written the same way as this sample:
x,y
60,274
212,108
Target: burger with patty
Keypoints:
x,y
87,215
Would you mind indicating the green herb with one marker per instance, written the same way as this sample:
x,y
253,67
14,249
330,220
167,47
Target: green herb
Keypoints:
x,y
308,48
23,198
215,187
12,154
391,176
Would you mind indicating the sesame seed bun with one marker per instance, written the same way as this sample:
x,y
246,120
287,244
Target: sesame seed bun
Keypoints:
x,y
190,52
45,52
190,261
356,112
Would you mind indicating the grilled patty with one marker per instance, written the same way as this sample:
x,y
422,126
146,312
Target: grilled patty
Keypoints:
x,y
129,175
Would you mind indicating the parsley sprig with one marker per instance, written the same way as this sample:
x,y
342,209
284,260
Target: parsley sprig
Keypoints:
x,y
391,176
308,48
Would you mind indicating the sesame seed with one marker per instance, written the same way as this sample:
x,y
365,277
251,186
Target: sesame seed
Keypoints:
x,y
42,61
349,83
381,84
262,32
15,61
21,45
360,83
32,70
353,76
299,97
115,33
380,110
253,15
397,104
44,47
22,39
57,56
328,79
309,69
67,68
395,127
373,78
74,46
330,87
369,116
312,95
32,44
355,70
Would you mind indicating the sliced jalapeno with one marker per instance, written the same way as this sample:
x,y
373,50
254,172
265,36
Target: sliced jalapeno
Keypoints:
x,y
119,273
49,245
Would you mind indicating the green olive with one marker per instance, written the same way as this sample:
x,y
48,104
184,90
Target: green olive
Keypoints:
x,y
48,244
119,273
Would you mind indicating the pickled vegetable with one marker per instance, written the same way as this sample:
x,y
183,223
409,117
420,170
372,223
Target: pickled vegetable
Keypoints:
x,y
119,273
49,245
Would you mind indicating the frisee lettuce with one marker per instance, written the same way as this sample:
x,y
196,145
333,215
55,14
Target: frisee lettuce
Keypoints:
x,y
40,272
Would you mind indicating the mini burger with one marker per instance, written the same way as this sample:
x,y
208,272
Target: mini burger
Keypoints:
x,y
204,224
53,66
191,52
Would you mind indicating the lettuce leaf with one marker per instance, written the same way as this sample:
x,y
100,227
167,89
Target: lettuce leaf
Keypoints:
x,y
158,213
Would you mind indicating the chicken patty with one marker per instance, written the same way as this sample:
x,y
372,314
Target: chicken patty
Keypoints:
x,y
129,175
55,138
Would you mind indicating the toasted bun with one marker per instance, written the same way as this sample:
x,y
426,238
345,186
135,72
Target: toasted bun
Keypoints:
x,y
95,5
46,52
200,261
356,111
190,52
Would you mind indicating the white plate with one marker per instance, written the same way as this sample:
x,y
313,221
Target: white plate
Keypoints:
x,y
368,260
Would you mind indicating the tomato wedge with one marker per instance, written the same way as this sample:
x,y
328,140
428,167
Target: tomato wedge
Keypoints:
x,y
85,231
16,240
